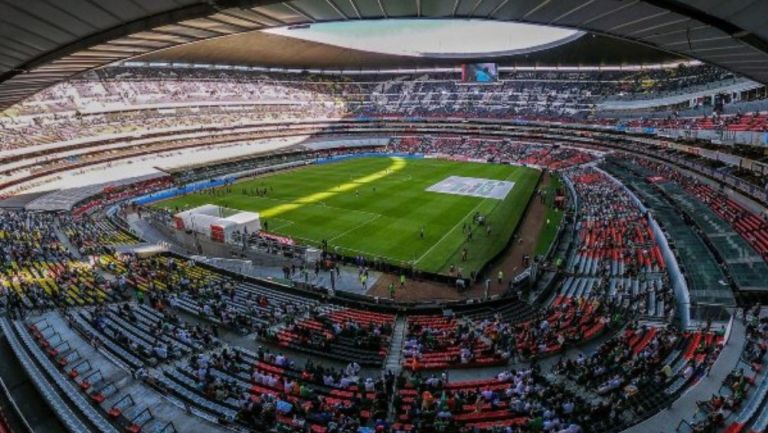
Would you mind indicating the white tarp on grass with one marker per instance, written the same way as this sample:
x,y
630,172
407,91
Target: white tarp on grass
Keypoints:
x,y
474,187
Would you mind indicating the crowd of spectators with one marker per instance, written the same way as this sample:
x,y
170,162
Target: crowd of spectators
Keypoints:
x,y
740,387
38,271
130,100
517,400
642,367
320,398
617,256
491,150
441,342
725,122
94,119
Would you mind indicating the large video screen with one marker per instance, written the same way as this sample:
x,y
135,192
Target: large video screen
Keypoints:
x,y
479,72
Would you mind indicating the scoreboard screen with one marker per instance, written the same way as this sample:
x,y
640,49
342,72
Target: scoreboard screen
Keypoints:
x,y
479,72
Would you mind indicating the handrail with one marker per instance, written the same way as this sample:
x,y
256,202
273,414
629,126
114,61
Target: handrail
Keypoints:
x,y
16,409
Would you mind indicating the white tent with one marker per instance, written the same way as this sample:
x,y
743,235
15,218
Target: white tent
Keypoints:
x,y
218,223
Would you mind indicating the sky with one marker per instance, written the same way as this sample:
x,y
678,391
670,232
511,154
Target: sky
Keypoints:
x,y
432,37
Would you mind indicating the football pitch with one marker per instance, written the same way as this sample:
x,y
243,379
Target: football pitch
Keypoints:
x,y
377,207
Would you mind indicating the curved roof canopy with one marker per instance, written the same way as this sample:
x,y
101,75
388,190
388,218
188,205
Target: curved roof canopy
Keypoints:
x,y
270,49
45,41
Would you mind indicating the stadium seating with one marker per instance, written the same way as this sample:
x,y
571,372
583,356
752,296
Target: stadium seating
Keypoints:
x,y
39,271
617,258
286,319
738,406
52,360
345,333
495,150
254,354
744,262
627,366
426,403
751,226
441,342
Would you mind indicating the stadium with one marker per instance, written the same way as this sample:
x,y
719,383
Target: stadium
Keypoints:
x,y
383,216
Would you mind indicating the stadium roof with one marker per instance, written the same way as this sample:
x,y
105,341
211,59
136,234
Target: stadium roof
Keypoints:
x,y
45,41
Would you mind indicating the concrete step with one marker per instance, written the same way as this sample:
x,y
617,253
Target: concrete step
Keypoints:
x,y
392,362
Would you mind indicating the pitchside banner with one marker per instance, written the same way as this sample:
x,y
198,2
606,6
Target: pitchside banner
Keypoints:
x,y
474,187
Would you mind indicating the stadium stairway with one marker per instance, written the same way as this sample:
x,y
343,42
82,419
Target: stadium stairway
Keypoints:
x,y
74,410
395,356
392,362
64,239
120,388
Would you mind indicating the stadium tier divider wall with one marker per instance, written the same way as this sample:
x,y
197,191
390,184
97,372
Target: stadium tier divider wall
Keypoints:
x,y
575,198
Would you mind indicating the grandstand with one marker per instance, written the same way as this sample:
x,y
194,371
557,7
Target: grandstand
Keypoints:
x,y
243,216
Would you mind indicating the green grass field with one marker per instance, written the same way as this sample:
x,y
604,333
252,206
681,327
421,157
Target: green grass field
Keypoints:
x,y
376,206
552,217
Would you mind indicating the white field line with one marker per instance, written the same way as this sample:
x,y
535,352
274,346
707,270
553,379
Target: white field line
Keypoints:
x,y
355,227
284,223
393,260
365,253
462,220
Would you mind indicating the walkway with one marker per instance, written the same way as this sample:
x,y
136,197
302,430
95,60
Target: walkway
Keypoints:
x,y
64,239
